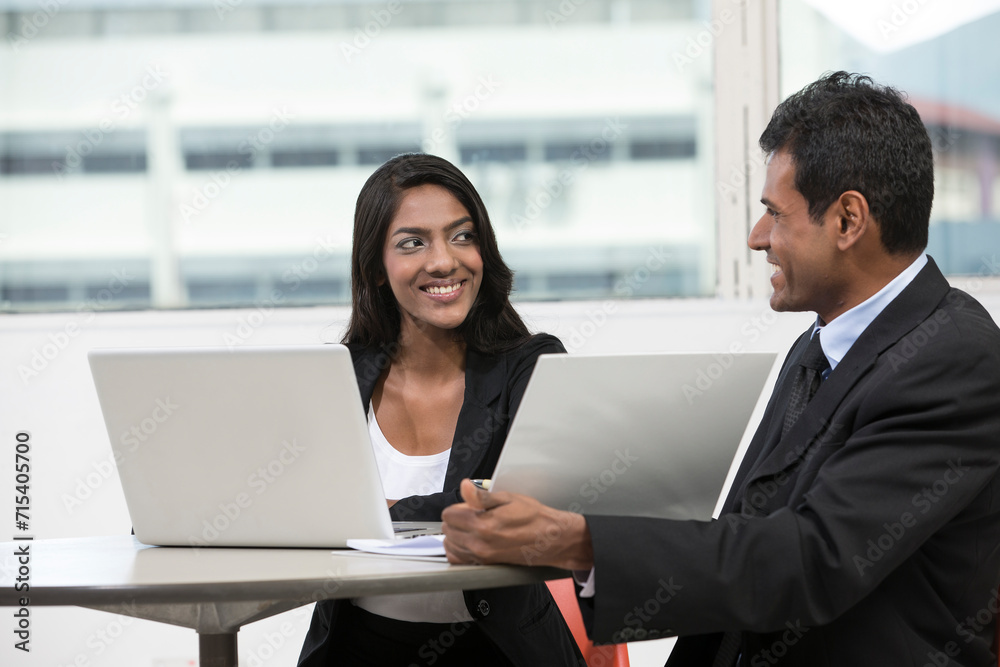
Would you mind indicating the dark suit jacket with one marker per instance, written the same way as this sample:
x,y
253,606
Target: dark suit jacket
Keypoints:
x,y
522,620
868,535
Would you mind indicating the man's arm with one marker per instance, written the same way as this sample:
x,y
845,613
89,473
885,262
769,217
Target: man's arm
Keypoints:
x,y
909,466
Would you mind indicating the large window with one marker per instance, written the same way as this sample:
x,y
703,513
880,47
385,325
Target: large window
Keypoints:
x,y
174,153
946,57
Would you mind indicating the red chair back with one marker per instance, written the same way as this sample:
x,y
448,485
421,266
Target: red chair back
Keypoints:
x,y
613,655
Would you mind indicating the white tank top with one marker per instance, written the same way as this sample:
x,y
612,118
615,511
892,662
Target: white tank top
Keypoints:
x,y
404,476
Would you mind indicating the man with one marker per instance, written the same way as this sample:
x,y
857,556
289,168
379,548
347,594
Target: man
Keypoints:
x,y
863,526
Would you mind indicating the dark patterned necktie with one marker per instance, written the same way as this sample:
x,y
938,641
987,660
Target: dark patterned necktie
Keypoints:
x,y
807,380
729,649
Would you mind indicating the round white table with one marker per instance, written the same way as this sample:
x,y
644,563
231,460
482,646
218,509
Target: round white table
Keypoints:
x,y
215,591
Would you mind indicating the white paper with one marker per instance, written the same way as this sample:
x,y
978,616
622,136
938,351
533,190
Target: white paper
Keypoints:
x,y
424,545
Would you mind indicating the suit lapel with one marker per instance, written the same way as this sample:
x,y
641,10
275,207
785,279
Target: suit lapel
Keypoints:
x,y
769,431
907,311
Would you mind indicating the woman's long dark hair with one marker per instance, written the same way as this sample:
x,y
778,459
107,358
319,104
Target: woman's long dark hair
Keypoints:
x,y
492,324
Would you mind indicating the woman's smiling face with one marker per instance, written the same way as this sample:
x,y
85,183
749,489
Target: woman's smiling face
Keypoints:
x,y
431,259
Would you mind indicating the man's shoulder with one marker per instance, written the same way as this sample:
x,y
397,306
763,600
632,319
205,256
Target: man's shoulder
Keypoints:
x,y
967,314
960,326
958,334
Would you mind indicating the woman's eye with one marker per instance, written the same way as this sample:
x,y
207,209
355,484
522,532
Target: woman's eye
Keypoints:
x,y
409,244
465,235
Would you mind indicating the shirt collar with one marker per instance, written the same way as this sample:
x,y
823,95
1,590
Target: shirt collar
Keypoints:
x,y
840,334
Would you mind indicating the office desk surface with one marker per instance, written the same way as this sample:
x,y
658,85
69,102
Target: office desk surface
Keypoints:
x,y
96,571
217,591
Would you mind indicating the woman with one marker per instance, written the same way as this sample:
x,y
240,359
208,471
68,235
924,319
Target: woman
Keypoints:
x,y
442,360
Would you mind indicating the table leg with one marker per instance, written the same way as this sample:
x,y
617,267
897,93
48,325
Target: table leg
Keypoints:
x,y
217,650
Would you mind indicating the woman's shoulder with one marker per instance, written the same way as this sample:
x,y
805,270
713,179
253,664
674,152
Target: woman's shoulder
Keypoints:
x,y
535,345
370,360
546,342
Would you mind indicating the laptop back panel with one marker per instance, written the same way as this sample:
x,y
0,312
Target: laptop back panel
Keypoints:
x,y
256,446
640,435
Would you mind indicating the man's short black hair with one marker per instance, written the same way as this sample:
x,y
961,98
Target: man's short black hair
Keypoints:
x,y
845,132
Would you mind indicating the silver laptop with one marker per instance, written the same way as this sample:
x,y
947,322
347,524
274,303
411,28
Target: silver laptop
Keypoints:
x,y
256,446
639,435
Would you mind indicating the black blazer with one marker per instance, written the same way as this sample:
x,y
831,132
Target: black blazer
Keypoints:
x,y
523,621
868,535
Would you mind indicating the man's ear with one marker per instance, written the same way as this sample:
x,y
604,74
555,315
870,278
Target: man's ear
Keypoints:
x,y
853,218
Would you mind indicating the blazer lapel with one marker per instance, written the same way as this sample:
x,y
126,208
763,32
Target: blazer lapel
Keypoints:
x,y
369,364
479,422
907,311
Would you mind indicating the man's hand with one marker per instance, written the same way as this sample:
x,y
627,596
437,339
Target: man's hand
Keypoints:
x,y
511,528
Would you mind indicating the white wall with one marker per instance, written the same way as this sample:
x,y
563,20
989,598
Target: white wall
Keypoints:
x,y
46,389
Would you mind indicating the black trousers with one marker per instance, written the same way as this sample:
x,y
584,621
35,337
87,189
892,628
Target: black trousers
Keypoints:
x,y
370,640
